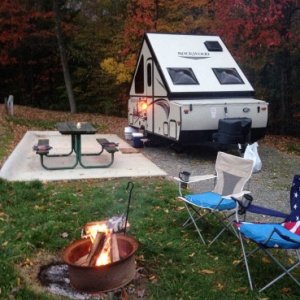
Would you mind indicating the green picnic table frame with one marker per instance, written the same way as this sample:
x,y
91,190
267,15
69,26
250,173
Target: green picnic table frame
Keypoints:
x,y
76,130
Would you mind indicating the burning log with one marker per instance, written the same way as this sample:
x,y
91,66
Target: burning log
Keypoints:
x,y
114,248
96,249
104,249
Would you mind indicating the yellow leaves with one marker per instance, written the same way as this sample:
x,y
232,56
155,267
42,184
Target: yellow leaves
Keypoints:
x,y
116,69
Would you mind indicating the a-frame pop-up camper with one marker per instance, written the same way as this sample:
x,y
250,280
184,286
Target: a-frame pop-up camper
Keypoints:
x,y
190,90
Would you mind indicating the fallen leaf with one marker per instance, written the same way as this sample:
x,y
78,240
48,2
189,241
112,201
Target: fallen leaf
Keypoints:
x,y
220,286
3,215
206,271
140,293
236,262
241,290
64,235
265,260
191,255
180,208
152,277
124,295
286,290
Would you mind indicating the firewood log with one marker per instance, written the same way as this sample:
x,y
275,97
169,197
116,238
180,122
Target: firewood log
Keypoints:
x,y
96,248
114,248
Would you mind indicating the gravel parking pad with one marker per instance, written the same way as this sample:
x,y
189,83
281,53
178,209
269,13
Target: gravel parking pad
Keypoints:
x,y
270,187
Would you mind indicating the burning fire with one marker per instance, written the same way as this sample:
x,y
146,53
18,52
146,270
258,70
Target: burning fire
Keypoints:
x,y
105,255
92,229
101,231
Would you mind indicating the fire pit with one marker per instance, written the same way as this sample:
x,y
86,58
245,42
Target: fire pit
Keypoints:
x,y
104,277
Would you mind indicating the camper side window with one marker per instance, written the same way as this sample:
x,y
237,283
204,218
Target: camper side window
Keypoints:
x,y
139,77
182,76
149,73
228,76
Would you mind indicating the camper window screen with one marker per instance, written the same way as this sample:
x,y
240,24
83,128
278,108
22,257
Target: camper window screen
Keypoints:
x,y
228,76
182,76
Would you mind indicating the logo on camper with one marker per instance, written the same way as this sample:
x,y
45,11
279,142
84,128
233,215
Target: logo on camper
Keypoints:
x,y
193,54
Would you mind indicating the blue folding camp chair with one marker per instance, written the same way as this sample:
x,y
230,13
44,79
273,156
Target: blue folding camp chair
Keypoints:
x,y
267,236
232,173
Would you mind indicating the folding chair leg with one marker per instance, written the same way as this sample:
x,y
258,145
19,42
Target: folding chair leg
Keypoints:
x,y
228,225
246,261
285,270
192,219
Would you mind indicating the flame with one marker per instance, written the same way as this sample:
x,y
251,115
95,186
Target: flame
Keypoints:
x,y
91,230
104,257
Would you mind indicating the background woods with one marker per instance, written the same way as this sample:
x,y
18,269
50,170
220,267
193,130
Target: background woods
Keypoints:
x,y
102,39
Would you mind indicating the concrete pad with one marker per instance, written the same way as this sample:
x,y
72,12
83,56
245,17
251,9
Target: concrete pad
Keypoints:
x,y
24,164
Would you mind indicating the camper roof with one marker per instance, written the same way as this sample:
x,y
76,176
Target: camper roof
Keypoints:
x,y
196,64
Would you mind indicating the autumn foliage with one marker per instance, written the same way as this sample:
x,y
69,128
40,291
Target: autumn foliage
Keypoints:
x,y
103,40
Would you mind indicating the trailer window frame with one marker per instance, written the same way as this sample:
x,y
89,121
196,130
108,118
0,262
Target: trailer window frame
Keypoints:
x,y
182,79
231,77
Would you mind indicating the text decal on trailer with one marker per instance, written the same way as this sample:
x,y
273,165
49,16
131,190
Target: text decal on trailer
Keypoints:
x,y
193,54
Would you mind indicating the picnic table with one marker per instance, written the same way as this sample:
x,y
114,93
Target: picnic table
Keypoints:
x,y
75,130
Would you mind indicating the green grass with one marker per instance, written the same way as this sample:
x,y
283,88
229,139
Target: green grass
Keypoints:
x,y
34,215
42,124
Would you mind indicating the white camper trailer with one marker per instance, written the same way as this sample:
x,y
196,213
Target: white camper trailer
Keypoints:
x,y
190,90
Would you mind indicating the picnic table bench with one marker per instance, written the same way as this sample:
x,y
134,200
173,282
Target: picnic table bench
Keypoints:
x,y
110,147
43,147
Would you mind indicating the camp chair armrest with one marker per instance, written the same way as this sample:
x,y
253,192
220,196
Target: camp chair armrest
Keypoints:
x,y
196,178
237,195
283,236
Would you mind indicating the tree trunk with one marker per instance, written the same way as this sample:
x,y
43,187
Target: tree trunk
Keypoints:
x,y
63,57
286,114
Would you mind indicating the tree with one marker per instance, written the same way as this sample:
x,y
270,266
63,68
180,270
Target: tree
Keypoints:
x,y
189,16
63,56
265,34
27,63
98,25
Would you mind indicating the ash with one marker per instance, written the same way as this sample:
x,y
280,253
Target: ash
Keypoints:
x,y
55,277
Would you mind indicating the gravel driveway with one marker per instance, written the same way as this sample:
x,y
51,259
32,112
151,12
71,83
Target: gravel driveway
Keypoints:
x,y
270,187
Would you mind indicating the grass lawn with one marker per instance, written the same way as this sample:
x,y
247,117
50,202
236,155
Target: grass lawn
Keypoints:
x,y
38,217
34,215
